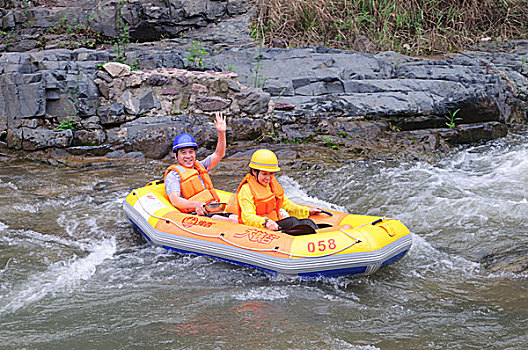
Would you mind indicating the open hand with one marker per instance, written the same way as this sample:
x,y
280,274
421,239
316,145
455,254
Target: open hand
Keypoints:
x,y
220,122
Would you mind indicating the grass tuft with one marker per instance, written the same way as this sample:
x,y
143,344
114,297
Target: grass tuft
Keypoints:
x,y
407,26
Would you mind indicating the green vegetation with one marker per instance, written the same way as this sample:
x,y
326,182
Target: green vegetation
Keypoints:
x,y
406,26
197,53
74,97
78,34
258,80
451,118
393,127
329,142
67,124
122,37
7,37
297,141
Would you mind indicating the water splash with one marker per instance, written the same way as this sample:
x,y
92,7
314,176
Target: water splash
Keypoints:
x,y
60,277
262,293
428,262
295,192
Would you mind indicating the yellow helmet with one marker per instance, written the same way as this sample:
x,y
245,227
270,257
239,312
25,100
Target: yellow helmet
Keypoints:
x,y
264,159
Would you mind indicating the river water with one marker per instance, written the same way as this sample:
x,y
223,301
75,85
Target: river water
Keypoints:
x,y
75,275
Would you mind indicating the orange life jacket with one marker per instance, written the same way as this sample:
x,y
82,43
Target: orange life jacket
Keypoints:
x,y
190,185
267,201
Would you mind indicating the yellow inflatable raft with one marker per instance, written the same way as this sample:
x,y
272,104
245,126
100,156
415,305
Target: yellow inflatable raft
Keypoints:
x,y
348,245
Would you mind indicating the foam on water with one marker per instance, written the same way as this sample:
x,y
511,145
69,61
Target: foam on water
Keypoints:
x,y
79,225
3,226
60,277
425,256
26,208
294,192
341,344
262,293
428,260
16,236
8,185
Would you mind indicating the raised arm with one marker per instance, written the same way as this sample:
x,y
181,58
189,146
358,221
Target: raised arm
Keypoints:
x,y
221,127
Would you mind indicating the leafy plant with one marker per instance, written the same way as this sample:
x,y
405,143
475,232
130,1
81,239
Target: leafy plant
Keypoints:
x,y
394,127
297,141
122,37
67,124
74,96
451,118
329,142
258,80
280,94
197,53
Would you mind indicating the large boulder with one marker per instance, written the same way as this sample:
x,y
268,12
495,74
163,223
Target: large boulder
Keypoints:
x,y
153,136
33,139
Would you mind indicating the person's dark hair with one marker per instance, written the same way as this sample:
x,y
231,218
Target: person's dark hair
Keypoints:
x,y
254,172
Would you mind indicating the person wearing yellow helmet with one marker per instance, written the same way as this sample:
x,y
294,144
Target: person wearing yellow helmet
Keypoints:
x,y
260,197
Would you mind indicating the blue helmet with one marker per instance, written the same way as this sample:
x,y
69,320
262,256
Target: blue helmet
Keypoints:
x,y
183,141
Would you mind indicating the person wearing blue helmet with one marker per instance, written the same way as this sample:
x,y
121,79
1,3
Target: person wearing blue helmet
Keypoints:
x,y
187,183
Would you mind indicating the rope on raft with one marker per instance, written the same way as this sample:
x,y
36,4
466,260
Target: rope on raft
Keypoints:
x,y
276,249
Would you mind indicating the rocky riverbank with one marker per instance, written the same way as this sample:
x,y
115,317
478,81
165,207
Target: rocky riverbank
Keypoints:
x,y
357,103
82,101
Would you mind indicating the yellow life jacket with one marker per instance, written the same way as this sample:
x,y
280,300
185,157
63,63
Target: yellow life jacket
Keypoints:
x,y
268,201
190,185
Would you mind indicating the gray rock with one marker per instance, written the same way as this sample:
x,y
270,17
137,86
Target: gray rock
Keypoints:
x,y
104,76
102,85
140,104
33,139
116,154
61,107
246,128
92,123
116,69
465,134
88,137
91,151
3,125
209,104
22,95
253,100
111,114
153,135
135,155
14,138
157,80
